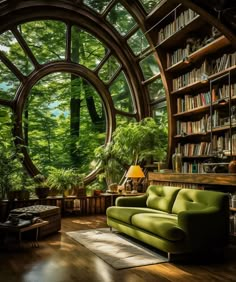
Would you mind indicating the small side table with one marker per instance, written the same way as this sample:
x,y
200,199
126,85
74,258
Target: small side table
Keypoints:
x,y
15,229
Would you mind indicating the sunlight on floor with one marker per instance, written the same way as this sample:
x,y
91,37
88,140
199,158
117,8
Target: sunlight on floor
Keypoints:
x,y
105,274
63,245
77,221
169,270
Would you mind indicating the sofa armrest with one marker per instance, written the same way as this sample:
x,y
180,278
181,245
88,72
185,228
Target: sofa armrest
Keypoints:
x,y
207,225
131,201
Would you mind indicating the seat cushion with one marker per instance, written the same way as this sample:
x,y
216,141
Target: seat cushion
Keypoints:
x,y
163,225
125,214
161,197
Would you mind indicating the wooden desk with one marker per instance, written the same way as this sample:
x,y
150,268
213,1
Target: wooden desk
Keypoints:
x,y
15,229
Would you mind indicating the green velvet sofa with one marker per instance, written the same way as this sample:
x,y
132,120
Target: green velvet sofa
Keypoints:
x,y
174,220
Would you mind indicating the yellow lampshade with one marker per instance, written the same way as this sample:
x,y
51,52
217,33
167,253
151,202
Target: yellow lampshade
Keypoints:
x,y
135,171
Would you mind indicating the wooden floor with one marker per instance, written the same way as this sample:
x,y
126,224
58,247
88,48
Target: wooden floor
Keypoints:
x,y
60,259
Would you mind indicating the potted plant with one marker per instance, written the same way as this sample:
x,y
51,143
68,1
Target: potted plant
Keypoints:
x,y
134,143
63,180
142,141
41,186
110,166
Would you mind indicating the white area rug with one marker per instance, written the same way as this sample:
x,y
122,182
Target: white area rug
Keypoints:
x,y
115,249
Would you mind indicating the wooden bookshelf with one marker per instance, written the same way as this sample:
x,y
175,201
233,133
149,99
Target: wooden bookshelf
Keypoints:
x,y
216,179
187,52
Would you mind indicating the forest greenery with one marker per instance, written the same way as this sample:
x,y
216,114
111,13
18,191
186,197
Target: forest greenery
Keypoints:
x,y
64,119
135,143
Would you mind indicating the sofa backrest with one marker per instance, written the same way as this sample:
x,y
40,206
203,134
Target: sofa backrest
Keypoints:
x,y
193,199
161,197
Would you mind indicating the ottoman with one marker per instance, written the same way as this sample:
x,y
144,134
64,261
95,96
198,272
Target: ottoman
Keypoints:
x,y
50,213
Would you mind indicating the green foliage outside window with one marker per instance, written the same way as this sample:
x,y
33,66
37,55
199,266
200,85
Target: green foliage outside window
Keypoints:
x,y
57,136
96,5
121,19
46,39
64,117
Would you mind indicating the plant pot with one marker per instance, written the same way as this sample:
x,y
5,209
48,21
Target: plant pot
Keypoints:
x,y
97,192
11,195
53,192
68,192
22,195
42,192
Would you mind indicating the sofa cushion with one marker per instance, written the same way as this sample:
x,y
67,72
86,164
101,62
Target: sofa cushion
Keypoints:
x,y
161,197
192,199
162,225
125,214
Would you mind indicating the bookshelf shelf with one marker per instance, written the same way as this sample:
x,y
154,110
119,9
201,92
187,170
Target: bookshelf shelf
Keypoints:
x,y
193,111
181,33
196,156
203,84
191,135
208,49
217,179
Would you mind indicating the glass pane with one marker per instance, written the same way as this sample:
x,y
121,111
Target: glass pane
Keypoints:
x,y
150,4
156,90
13,51
64,121
149,67
109,69
138,42
86,49
98,6
8,83
121,19
121,95
47,39
159,112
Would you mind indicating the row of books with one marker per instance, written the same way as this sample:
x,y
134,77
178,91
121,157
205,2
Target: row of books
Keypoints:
x,y
220,119
225,61
233,140
177,56
180,21
223,92
182,185
189,167
218,144
221,143
192,127
206,69
191,77
199,149
190,102
203,125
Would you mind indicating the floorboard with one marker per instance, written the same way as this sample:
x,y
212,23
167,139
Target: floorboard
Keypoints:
x,y
60,259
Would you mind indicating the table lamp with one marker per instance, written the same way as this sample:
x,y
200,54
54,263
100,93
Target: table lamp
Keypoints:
x,y
135,172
